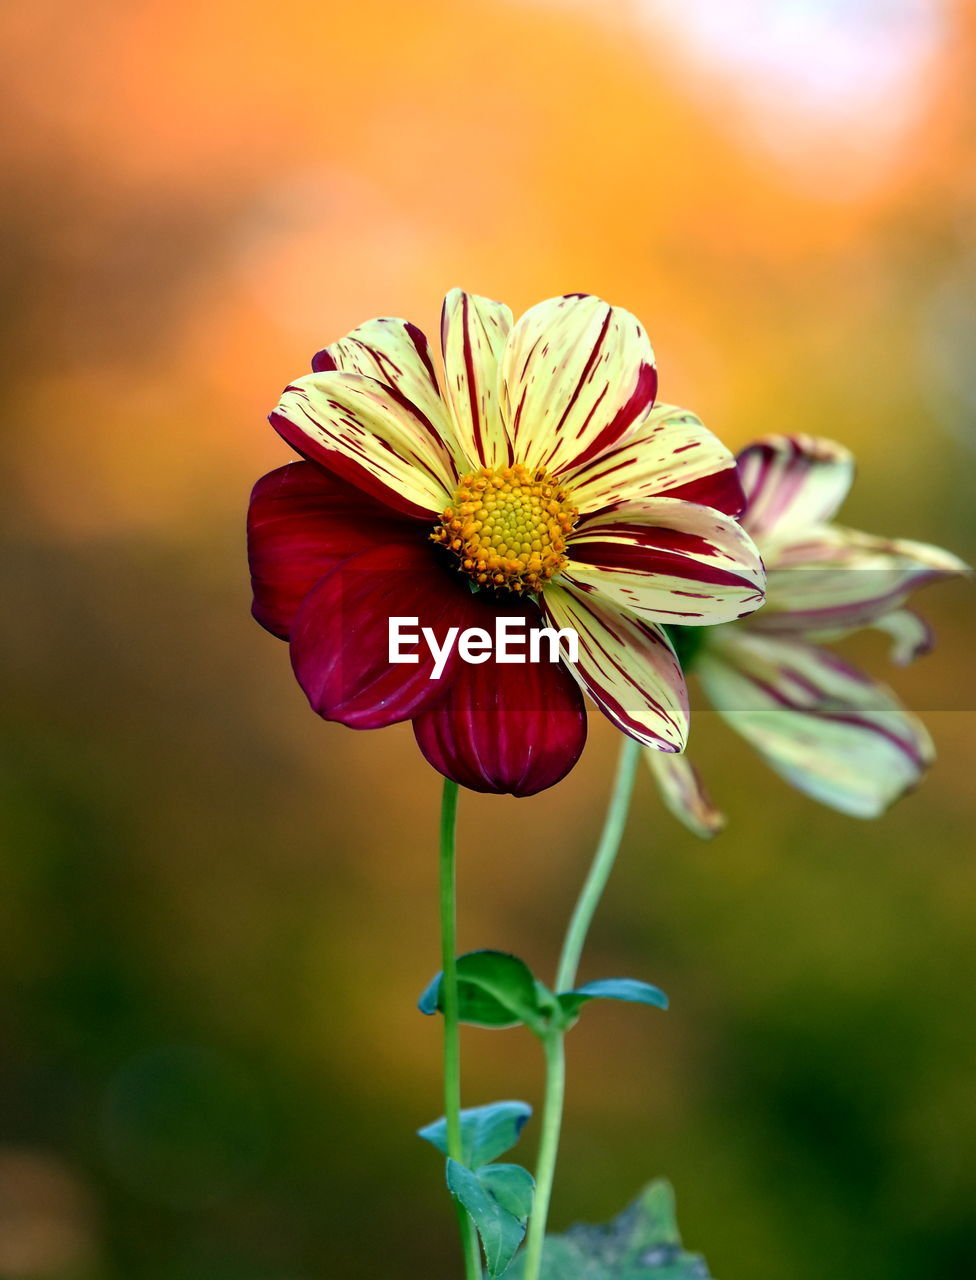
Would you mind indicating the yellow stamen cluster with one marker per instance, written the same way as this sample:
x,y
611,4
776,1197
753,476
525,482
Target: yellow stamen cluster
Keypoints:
x,y
508,527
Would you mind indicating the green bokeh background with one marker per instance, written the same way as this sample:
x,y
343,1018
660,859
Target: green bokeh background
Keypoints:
x,y
216,912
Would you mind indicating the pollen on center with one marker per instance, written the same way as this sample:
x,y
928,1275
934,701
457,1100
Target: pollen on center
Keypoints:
x,y
508,527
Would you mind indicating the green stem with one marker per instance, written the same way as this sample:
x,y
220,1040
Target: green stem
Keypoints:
x,y
602,865
579,926
449,999
552,1119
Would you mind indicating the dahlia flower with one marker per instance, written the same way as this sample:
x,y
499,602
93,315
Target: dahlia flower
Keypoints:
x,y
820,723
537,482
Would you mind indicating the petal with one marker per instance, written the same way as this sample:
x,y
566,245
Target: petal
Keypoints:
x,y
670,455
793,482
473,334
627,666
396,353
833,579
301,522
822,725
669,561
911,635
684,795
576,377
506,727
369,434
340,639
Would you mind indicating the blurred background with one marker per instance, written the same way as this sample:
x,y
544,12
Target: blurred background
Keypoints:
x,y
216,911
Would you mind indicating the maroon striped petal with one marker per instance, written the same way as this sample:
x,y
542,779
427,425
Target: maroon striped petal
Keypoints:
x,y
627,666
668,561
372,435
684,793
508,728
817,721
301,523
340,636
911,636
577,375
473,334
396,353
670,455
832,580
793,482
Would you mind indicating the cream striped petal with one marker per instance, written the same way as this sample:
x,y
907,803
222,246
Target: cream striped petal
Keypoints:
x,y
367,433
473,335
671,454
911,636
823,726
628,668
832,579
793,482
576,376
682,791
394,352
668,561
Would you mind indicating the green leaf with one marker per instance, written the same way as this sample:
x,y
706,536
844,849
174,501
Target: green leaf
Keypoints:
x,y
498,1199
628,989
643,1243
431,994
486,1132
494,990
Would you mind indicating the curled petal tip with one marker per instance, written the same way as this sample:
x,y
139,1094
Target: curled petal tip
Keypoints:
x,y
684,794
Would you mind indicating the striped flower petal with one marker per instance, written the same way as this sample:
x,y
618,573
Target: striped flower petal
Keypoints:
x,y
832,579
504,727
684,795
576,376
473,335
670,455
669,561
396,353
366,432
911,636
301,523
823,726
628,668
793,482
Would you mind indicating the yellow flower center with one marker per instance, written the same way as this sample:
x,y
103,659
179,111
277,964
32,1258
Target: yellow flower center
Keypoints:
x,y
508,527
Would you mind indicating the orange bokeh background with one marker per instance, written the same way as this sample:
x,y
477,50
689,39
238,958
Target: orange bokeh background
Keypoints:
x,y
215,910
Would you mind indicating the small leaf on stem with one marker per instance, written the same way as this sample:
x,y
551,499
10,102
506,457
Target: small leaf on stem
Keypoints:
x,y
486,1132
628,989
494,990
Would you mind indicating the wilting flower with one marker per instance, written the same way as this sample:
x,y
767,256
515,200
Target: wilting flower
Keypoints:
x,y
539,483
820,723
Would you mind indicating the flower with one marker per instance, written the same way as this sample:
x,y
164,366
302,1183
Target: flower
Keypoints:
x,y
541,483
824,726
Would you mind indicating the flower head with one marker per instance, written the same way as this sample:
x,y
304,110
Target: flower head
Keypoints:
x,y
824,726
541,483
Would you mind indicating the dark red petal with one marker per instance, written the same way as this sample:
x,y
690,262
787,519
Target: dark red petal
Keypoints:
x,y
301,522
503,727
340,636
